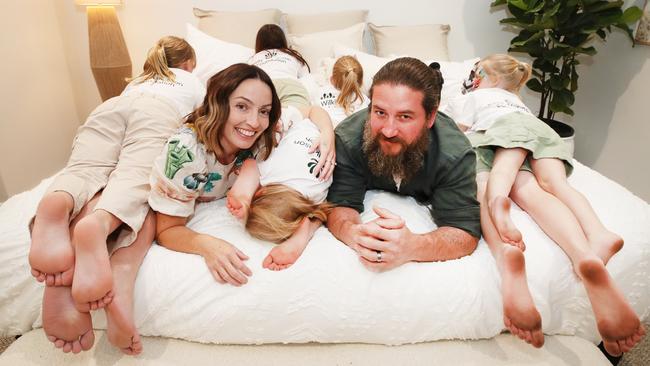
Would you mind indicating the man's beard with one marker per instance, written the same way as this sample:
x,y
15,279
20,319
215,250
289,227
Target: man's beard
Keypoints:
x,y
404,165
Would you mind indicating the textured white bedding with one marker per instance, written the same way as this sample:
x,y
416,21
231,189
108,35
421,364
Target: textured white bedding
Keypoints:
x,y
328,296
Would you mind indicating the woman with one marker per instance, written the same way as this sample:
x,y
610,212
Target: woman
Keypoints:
x,y
240,112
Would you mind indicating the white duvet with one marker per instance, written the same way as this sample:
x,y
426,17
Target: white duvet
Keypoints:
x,y
328,296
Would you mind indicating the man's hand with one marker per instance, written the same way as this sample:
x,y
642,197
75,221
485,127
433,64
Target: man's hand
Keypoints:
x,y
385,242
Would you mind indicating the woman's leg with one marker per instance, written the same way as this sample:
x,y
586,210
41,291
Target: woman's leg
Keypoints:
x,y
502,176
125,263
617,323
519,313
551,175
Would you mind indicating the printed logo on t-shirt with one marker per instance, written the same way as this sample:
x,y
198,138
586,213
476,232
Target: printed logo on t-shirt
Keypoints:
x,y
327,99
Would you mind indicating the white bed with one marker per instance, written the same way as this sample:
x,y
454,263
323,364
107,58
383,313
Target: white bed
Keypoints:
x,y
328,296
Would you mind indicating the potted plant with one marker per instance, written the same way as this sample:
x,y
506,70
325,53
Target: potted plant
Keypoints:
x,y
556,34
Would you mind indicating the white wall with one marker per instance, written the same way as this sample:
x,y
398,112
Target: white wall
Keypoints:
x,y
609,109
38,116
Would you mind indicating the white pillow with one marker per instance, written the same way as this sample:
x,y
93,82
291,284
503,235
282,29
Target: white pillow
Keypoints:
x,y
316,46
420,41
212,54
370,63
321,22
454,73
238,27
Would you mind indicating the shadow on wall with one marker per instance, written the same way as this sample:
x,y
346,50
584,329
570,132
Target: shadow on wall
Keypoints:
x,y
3,190
604,79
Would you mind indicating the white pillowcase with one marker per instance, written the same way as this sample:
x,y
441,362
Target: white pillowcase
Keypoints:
x,y
239,27
454,73
316,46
214,55
421,41
322,22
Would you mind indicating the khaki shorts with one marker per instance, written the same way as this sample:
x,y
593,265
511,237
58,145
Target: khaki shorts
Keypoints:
x,y
519,130
291,93
114,152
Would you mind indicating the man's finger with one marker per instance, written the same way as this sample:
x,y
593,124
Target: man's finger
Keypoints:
x,y
390,224
373,266
371,243
385,213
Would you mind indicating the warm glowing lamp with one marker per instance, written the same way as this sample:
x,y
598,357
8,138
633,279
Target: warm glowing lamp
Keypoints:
x,y
109,57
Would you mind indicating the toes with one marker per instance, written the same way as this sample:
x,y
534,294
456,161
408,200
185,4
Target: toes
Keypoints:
x,y
538,339
51,338
66,277
76,347
49,280
59,343
86,340
612,348
36,274
41,277
58,280
67,347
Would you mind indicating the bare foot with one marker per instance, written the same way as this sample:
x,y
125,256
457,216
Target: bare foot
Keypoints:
x,y
500,213
519,313
63,324
121,329
617,323
93,282
606,245
51,255
236,207
281,257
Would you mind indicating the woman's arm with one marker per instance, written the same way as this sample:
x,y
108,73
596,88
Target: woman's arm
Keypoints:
x,y
224,261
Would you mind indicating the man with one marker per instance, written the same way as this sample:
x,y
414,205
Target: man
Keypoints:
x,y
401,144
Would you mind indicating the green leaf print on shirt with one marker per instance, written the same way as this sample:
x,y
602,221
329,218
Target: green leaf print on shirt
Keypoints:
x,y
193,181
177,155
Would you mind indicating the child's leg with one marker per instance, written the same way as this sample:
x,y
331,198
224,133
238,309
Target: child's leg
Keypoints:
x,y
551,175
284,255
50,255
242,192
617,323
519,313
502,176
125,263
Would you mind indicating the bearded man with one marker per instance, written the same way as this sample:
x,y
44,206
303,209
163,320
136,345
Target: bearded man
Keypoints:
x,y
402,144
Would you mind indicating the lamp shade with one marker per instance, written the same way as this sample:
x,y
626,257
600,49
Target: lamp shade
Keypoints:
x,y
98,2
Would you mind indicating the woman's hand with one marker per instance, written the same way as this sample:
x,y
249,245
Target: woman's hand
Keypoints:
x,y
327,161
225,262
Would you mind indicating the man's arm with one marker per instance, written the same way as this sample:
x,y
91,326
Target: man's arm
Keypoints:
x,y
342,222
442,244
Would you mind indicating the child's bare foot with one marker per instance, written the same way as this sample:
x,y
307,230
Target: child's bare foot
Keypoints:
x,y
519,313
500,213
51,255
121,329
617,323
93,283
63,324
235,206
606,244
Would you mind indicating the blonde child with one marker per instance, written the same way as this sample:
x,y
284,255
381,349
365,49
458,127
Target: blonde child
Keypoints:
x,y
111,159
343,96
520,156
282,199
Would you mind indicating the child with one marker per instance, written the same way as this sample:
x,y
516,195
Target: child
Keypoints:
x,y
283,64
527,160
280,199
343,96
111,160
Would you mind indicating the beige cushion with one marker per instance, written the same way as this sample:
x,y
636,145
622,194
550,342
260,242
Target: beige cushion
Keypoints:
x,y
316,46
425,42
236,27
321,22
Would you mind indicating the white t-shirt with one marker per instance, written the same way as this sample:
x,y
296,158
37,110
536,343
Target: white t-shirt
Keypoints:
x,y
326,99
186,91
289,163
484,106
278,64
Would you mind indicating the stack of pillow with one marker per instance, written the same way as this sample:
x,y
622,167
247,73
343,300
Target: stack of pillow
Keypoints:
x,y
224,38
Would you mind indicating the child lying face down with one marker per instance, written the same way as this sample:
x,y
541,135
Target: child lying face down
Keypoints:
x,y
281,200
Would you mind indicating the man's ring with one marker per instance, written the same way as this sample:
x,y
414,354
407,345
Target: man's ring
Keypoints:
x,y
379,255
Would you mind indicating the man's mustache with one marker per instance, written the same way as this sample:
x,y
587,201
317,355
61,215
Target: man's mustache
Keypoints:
x,y
394,140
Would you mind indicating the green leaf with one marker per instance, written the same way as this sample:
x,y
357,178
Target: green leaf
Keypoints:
x,y
498,2
574,79
557,83
603,5
631,15
521,4
535,85
587,51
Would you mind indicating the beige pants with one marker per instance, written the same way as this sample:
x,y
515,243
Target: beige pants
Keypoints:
x,y
114,151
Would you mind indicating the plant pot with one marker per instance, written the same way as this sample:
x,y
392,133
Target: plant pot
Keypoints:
x,y
565,131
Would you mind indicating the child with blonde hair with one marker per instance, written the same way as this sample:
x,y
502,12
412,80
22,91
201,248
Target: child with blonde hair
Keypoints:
x,y
282,199
103,190
520,156
343,96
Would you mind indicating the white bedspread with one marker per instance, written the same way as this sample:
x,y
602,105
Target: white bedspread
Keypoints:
x,y
328,296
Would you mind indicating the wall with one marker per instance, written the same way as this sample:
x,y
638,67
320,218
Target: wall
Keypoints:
x,y
39,117
609,114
